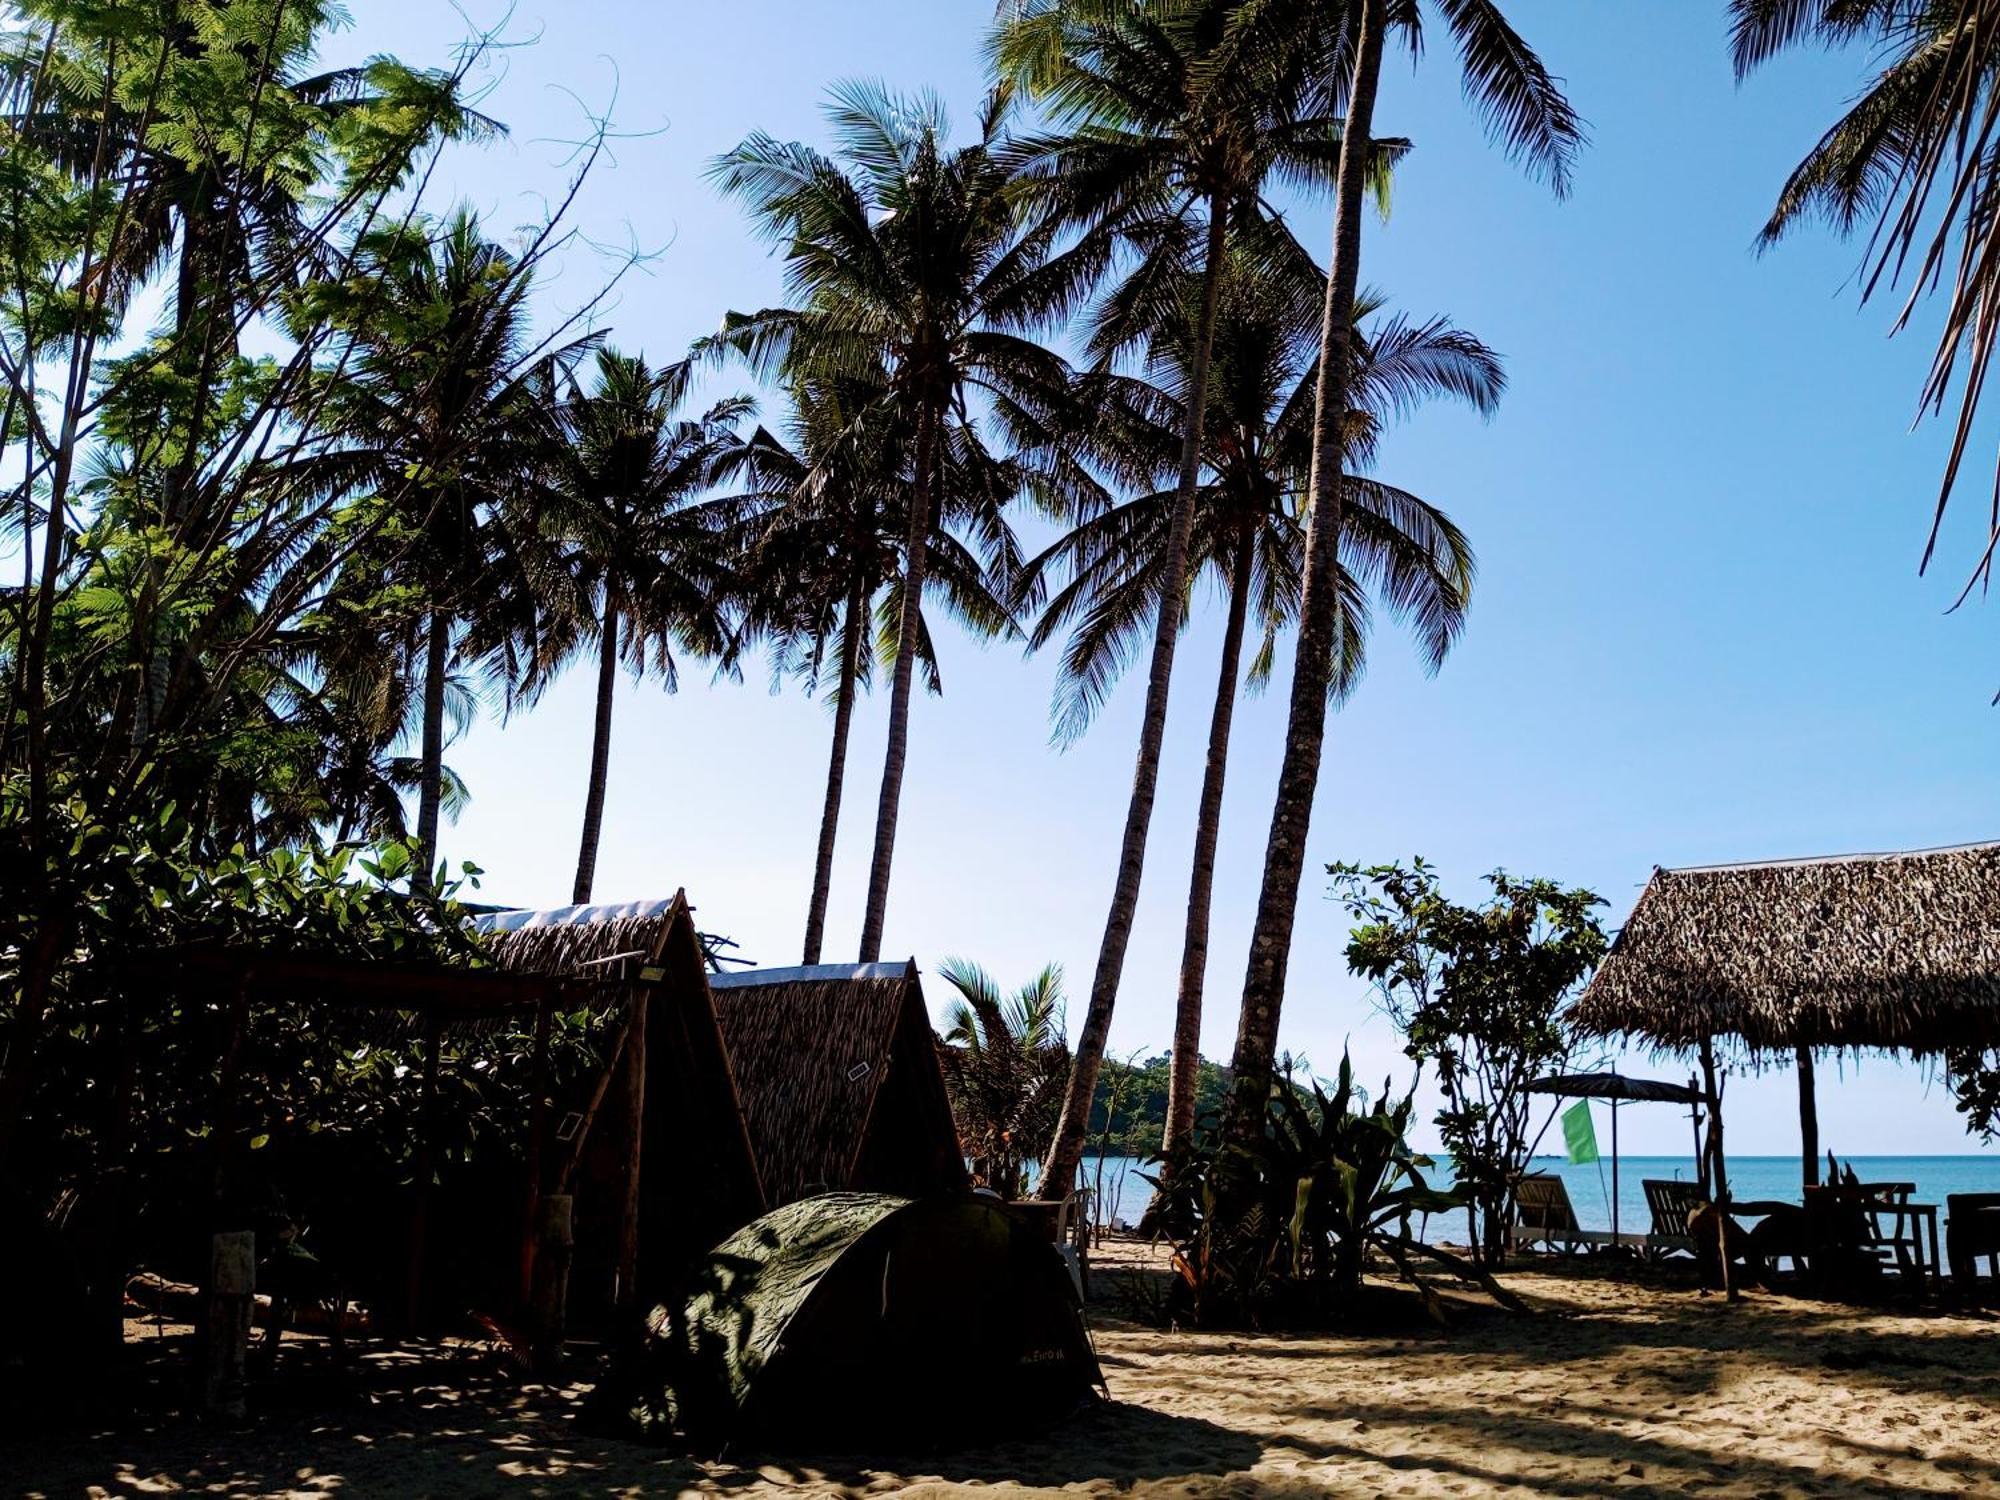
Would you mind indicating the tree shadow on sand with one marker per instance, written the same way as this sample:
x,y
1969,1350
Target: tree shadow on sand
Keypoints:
x,y
429,1422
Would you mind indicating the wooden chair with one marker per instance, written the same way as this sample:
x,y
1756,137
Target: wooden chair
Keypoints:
x,y
1543,1215
1672,1204
1972,1233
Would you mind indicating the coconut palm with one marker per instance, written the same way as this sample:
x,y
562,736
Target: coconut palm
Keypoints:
x,y
1162,143
624,562
1005,1067
1249,534
905,255
444,406
1923,133
822,543
1525,109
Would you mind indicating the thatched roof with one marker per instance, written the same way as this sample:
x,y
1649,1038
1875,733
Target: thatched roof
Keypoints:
x,y
568,938
839,1077
1865,951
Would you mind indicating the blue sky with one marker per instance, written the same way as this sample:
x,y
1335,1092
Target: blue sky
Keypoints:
x,y
1699,634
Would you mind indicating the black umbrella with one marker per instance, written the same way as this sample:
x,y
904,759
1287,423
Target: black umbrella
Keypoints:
x,y
1618,1089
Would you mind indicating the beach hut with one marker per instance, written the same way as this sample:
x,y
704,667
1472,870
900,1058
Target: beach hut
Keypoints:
x,y
653,1146
867,1318
1893,952
838,1069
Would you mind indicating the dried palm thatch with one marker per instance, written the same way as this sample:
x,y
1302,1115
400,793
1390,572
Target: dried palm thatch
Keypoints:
x,y
1893,951
839,1075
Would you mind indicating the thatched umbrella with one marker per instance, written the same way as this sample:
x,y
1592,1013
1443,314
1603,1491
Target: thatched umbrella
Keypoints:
x,y
1898,952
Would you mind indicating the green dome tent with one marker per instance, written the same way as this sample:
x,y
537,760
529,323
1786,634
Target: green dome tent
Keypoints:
x,y
860,1317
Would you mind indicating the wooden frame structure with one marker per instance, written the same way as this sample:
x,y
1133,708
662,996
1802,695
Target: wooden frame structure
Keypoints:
x,y
658,1155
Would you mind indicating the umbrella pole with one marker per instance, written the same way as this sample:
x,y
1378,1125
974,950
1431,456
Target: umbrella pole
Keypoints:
x,y
1808,1119
1614,1174
1721,1199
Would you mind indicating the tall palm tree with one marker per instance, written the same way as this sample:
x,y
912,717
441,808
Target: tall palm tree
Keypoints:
x,y
443,402
1249,533
1924,133
1161,145
624,562
1525,108
1005,1066
822,542
906,255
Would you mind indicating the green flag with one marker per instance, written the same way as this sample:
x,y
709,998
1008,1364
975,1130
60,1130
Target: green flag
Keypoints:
x,y
1579,1135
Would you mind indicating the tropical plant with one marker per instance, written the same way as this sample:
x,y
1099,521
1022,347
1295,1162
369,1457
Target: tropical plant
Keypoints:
x,y
1249,534
1005,1061
1524,106
1917,158
907,259
621,556
1278,1230
1162,141
1478,994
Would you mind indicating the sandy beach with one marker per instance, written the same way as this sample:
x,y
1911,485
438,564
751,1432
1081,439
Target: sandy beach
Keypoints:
x,y
1633,1386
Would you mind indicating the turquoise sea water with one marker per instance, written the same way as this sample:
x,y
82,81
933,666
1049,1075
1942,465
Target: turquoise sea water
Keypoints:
x,y
1777,1177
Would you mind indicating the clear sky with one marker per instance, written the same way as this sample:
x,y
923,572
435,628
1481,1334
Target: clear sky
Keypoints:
x,y
1699,634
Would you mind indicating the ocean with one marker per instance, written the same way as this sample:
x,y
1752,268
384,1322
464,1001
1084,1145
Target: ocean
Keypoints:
x,y
1125,1192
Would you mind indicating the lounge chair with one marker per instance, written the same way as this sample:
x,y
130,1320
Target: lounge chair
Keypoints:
x,y
1672,1204
1543,1216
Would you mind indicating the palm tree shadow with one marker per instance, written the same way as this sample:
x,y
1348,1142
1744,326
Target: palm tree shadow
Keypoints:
x,y
1111,1440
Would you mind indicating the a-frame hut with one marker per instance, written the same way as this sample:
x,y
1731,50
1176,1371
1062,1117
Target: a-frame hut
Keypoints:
x,y
838,1071
653,1147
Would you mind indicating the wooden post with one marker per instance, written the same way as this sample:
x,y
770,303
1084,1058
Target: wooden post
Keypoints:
x,y
1718,1164
232,1287
538,1120
554,1240
1808,1119
426,1169
1700,1151
635,1097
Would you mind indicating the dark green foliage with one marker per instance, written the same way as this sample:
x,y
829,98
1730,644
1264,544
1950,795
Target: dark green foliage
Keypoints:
x,y
1330,1179
1477,992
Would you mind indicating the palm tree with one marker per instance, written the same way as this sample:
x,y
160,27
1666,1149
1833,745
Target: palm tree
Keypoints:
x,y
821,549
627,564
443,400
1163,141
1249,532
906,256
1005,1067
1524,106
1922,134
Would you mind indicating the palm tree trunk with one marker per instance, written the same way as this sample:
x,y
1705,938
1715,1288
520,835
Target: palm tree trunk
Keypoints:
x,y
430,787
1319,615
600,755
1059,1171
836,770
1184,1071
909,630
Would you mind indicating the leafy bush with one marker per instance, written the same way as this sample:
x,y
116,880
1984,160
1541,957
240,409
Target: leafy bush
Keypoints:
x,y
1478,993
